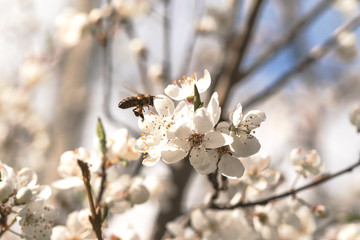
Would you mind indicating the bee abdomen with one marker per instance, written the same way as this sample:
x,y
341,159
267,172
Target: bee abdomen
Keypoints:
x,y
128,102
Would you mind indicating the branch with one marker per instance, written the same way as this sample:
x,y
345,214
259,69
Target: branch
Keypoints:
x,y
285,40
236,53
95,218
315,54
292,191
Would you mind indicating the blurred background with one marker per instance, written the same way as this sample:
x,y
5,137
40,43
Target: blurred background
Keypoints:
x,y
63,64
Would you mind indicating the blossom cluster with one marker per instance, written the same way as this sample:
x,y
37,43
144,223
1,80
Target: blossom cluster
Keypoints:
x,y
23,200
175,132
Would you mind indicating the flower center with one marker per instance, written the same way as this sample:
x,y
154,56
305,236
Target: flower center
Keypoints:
x,y
196,139
223,150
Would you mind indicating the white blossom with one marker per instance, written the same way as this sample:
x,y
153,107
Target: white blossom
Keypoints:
x,y
77,226
70,25
257,175
355,116
195,138
120,146
308,165
346,46
36,220
241,129
184,89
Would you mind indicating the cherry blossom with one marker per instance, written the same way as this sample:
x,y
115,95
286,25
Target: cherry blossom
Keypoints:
x,y
355,116
184,89
241,129
310,165
36,220
195,138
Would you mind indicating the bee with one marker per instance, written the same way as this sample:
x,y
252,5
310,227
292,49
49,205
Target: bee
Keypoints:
x,y
139,102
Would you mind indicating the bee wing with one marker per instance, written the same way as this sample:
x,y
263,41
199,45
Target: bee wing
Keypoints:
x,y
130,88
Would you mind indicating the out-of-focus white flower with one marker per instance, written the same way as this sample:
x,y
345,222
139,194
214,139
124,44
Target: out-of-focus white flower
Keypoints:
x,y
257,175
69,169
32,72
180,232
266,220
350,231
207,24
347,7
95,15
346,46
137,47
77,226
310,165
70,25
131,8
121,147
225,224
184,89
124,193
241,129
156,73
196,137
36,220
126,232
6,189
355,116
162,189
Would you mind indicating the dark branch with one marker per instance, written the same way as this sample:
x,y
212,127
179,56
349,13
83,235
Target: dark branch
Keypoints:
x,y
292,191
315,54
286,39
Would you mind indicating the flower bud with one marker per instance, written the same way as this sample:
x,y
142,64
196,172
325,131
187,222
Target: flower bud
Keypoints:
x,y
5,190
138,193
23,195
355,116
137,46
320,211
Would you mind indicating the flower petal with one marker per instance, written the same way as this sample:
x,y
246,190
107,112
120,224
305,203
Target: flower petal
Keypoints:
x,y
199,159
204,83
236,116
244,145
173,91
216,140
230,166
183,131
172,153
253,119
203,122
213,108
164,105
223,127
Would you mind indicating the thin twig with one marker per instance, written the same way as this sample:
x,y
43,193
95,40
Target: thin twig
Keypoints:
x,y
291,191
270,51
315,54
235,54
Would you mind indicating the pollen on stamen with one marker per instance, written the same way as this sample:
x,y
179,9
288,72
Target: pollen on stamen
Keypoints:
x,y
166,107
184,77
195,73
174,82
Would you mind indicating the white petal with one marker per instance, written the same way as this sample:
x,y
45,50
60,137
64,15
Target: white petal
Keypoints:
x,y
244,145
173,91
230,166
204,83
203,122
236,116
253,119
68,183
216,140
199,159
183,131
213,108
199,221
296,156
164,106
172,154
223,127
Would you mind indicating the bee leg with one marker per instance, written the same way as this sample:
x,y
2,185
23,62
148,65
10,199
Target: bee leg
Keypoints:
x,y
137,114
142,117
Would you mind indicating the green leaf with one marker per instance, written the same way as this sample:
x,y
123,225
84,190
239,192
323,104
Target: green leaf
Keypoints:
x,y
197,100
101,136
